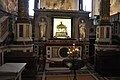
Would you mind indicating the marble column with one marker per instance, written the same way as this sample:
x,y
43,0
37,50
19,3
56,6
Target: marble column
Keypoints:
x,y
23,8
104,11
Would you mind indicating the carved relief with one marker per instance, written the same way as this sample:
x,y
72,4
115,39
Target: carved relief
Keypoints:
x,y
59,4
9,5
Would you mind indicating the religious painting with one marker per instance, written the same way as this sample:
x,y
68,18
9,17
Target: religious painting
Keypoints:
x,y
60,4
62,27
114,7
9,5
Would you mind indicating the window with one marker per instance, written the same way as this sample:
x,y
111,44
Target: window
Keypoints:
x,y
31,7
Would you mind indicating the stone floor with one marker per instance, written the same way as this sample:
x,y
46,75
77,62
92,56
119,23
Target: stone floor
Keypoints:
x,y
66,74
86,73
80,77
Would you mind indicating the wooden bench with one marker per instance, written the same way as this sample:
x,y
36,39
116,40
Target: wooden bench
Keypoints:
x,y
11,71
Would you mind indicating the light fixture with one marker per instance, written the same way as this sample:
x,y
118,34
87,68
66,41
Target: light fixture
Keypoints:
x,y
73,52
73,62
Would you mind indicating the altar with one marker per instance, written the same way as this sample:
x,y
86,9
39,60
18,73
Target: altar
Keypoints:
x,y
63,27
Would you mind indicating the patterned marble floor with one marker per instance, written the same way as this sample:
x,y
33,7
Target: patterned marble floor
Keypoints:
x,y
80,77
66,74
86,73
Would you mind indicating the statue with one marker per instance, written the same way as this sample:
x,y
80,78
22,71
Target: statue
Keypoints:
x,y
42,28
82,29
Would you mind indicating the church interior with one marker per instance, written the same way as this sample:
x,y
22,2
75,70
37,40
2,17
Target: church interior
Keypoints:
x,y
60,41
